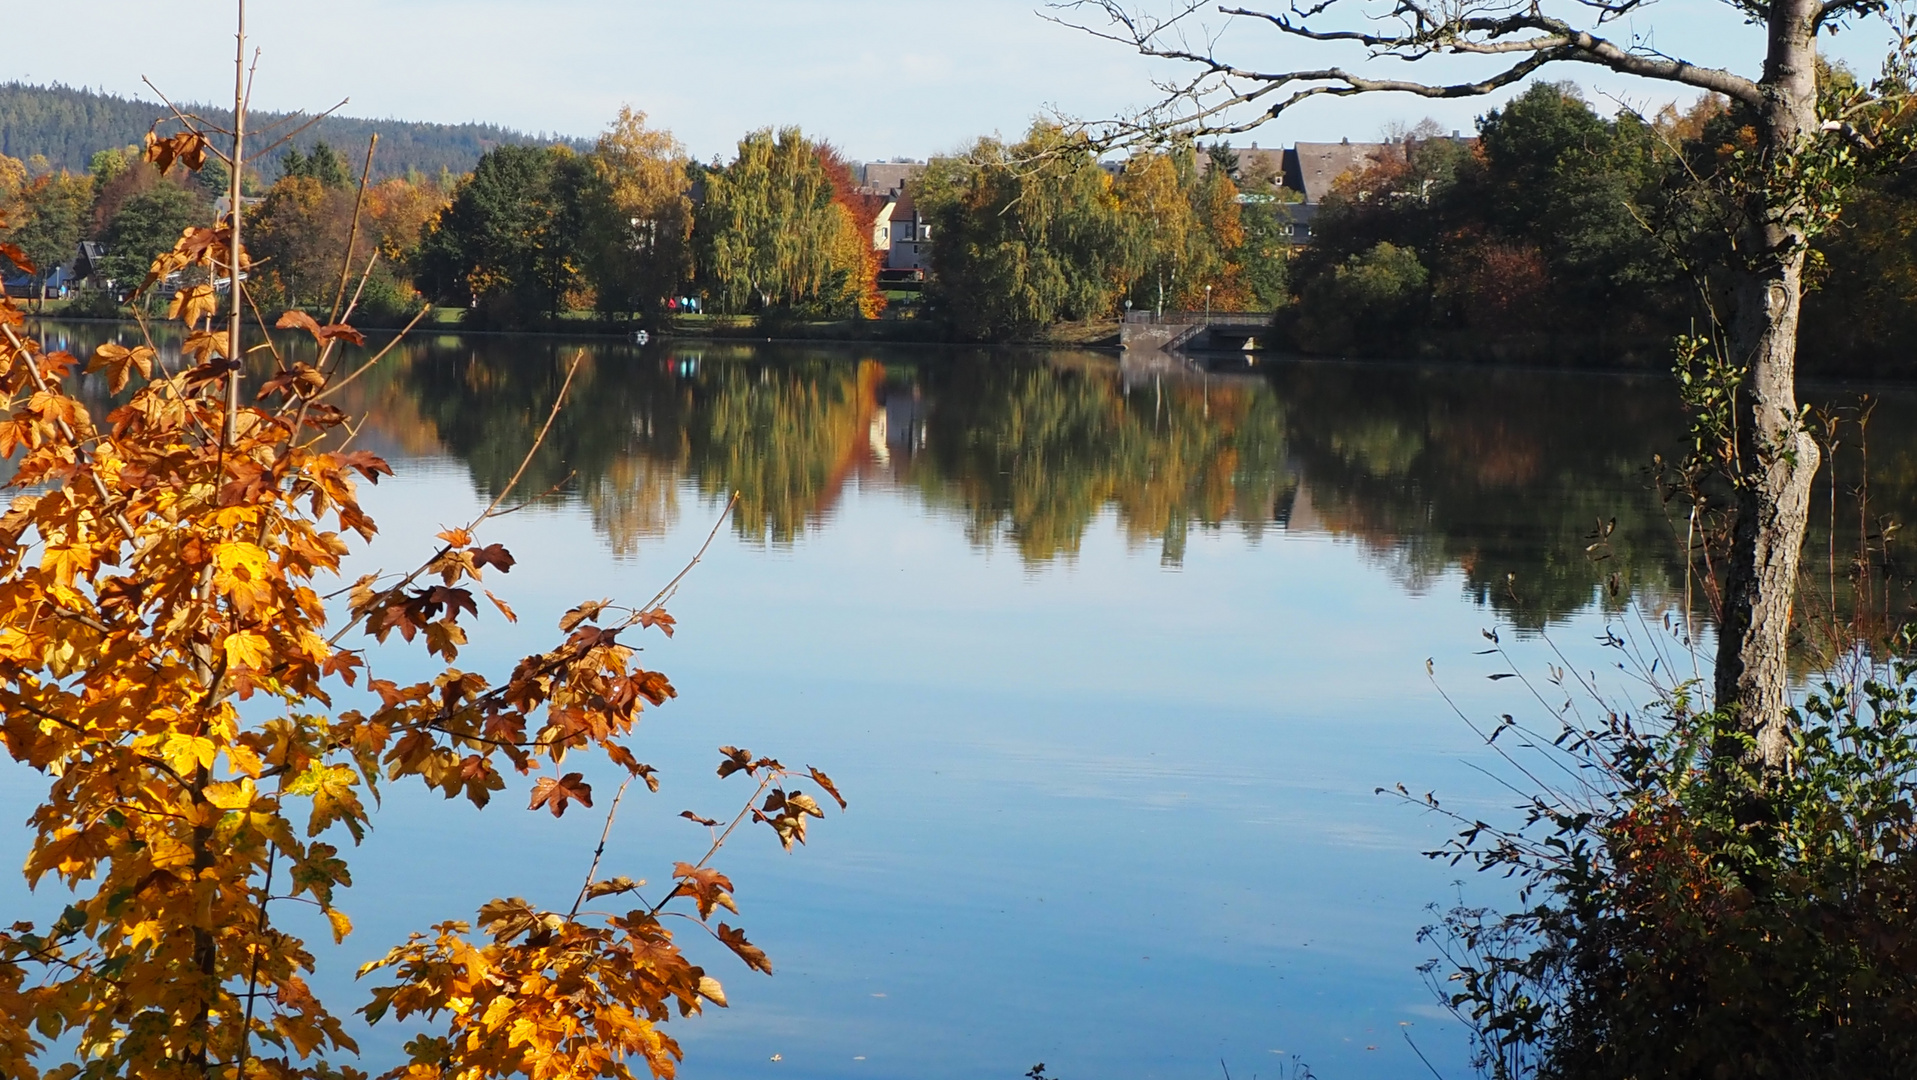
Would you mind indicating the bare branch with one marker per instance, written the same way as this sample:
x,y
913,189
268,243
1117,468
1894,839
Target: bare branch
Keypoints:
x,y
1216,99
293,134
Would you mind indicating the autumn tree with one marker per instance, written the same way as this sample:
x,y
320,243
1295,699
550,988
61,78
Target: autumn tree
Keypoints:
x,y
13,178
639,216
300,236
106,165
1025,235
1161,227
209,726
771,231
855,245
400,211
50,215
1183,232
1538,225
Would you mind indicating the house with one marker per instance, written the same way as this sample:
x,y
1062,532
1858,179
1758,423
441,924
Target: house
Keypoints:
x,y
1256,168
86,264
18,283
1301,215
55,283
911,236
224,203
882,226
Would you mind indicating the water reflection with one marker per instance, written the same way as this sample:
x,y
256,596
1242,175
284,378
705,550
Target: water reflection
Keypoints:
x,y
1060,750
1535,485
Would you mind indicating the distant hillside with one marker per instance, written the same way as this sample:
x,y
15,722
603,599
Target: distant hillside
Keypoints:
x,y
69,126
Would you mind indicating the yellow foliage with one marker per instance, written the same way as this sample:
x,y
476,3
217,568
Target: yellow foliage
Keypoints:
x,y
163,564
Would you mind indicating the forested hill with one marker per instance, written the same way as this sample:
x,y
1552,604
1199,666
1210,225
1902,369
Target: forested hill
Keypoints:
x,y
69,126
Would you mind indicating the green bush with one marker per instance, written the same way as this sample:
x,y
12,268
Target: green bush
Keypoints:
x,y
1364,303
386,302
94,304
1691,915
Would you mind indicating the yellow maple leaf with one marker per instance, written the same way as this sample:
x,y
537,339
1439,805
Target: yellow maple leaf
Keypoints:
x,y
244,761
247,649
241,556
188,753
227,796
66,561
193,303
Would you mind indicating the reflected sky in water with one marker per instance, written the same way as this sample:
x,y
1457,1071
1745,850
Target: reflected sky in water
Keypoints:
x,y
1109,663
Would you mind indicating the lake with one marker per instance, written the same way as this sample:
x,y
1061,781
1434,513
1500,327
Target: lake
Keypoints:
x,y
1109,661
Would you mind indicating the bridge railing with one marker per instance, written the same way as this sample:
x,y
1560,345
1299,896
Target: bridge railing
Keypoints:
x,y
1189,318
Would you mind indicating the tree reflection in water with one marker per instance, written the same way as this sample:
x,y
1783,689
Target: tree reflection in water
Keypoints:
x,y
1508,478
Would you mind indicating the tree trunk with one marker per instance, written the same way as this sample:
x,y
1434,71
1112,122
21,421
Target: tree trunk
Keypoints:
x,y
1776,458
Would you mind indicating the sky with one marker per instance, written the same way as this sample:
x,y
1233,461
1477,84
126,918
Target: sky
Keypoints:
x,y
879,78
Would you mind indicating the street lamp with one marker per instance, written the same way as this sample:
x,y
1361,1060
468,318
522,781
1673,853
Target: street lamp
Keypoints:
x,y
1208,305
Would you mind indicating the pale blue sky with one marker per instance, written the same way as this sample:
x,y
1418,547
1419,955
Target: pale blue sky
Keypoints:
x,y
879,77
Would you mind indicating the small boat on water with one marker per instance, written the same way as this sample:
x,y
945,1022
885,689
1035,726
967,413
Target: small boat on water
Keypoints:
x,y
641,337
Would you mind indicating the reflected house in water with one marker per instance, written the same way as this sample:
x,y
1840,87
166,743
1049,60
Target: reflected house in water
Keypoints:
x,y
899,429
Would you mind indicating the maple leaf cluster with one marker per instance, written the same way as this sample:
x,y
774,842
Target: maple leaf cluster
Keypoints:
x,y
164,565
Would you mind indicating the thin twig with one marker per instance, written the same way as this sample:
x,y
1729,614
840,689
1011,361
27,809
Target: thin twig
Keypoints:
x,y
599,853
541,497
352,233
377,357
259,930
1420,1053
184,119
293,134
662,594
526,462
720,841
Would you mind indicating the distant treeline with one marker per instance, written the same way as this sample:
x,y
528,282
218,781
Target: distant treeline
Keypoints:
x,y
67,126
1556,235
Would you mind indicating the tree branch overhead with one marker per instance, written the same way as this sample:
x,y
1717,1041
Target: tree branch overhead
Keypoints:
x,y
1217,100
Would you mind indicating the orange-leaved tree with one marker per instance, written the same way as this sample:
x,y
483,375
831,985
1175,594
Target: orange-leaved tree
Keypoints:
x,y
169,662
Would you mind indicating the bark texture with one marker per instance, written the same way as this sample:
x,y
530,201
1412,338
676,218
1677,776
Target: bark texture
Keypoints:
x,y
1776,458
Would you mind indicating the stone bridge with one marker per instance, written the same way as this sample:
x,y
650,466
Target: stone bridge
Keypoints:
x,y
1194,331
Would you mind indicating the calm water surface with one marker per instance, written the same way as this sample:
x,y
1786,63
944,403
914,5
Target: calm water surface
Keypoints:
x,y
1108,662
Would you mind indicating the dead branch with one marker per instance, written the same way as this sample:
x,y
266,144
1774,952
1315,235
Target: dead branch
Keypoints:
x,y
1218,99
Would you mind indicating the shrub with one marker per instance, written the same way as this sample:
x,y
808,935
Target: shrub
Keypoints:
x,y
1693,915
1367,303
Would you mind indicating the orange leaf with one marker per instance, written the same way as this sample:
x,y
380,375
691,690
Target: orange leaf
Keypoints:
x,y
831,789
501,605
555,794
17,257
737,760
708,888
733,938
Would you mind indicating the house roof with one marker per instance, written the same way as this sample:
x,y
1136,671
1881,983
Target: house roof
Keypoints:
x,y
891,175
1311,168
1252,159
